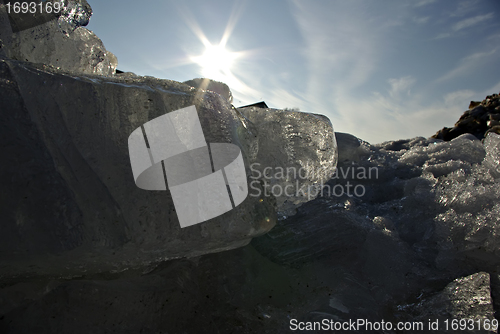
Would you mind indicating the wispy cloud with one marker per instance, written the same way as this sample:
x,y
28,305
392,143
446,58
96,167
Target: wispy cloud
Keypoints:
x,y
424,3
468,64
378,114
401,86
345,46
471,21
465,8
283,98
477,56
458,97
341,49
346,50
421,20
443,35
465,23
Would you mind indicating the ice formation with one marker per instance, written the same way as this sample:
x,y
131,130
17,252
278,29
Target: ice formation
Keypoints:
x,y
74,14
62,41
406,230
421,245
297,154
82,123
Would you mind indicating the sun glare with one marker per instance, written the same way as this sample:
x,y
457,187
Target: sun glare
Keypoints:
x,y
215,61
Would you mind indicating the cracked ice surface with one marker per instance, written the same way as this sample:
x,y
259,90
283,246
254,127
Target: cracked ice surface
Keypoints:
x,y
459,192
455,185
297,155
471,198
430,216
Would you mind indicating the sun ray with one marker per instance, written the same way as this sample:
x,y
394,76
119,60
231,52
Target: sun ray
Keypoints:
x,y
233,20
193,25
218,62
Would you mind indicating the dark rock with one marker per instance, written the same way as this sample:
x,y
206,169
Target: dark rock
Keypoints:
x,y
474,104
478,120
467,299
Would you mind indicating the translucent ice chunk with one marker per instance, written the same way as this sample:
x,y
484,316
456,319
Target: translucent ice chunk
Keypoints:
x,y
60,42
75,14
297,155
465,148
492,159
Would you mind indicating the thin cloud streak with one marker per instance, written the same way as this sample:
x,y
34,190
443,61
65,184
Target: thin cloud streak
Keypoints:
x,y
442,35
471,21
468,64
421,20
424,3
286,99
464,8
343,52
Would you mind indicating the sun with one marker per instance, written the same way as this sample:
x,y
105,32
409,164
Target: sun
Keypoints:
x,y
216,61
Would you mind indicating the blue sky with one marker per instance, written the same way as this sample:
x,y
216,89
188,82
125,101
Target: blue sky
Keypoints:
x,y
381,70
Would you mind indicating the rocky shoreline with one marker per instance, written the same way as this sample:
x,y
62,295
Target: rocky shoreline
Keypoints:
x,y
481,118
